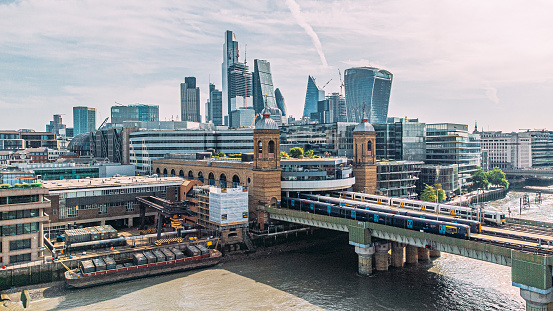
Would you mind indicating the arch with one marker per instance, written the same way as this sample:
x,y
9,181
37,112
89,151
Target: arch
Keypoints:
x,y
211,179
249,180
157,171
173,174
190,175
164,172
181,173
369,147
235,181
260,148
201,176
274,201
271,149
223,181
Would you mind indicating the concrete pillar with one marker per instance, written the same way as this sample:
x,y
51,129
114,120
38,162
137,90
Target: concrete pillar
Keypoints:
x,y
536,301
424,254
411,254
102,222
398,249
365,259
382,257
435,254
130,222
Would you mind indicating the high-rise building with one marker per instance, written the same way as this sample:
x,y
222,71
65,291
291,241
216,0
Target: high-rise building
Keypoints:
x,y
138,112
84,120
401,139
190,100
312,96
338,107
281,104
230,57
507,150
56,125
263,90
367,88
542,148
239,88
215,105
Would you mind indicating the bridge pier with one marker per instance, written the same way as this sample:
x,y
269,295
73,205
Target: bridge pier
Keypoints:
x,y
536,301
382,258
365,257
424,254
398,250
411,254
435,254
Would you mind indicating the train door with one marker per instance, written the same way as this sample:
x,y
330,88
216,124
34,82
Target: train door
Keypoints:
x,y
376,218
352,214
410,223
441,229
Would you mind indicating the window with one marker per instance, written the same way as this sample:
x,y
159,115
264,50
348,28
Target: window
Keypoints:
x,y
68,212
20,258
130,206
20,244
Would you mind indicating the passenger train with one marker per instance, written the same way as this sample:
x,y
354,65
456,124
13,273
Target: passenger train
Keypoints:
x,y
487,216
456,230
475,226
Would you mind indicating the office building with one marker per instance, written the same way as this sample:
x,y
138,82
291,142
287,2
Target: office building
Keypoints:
x,y
401,139
230,57
190,100
40,139
214,111
312,96
239,88
138,112
324,112
84,120
11,140
281,104
242,117
338,107
62,170
263,90
446,175
367,88
507,150
56,125
335,139
397,178
542,148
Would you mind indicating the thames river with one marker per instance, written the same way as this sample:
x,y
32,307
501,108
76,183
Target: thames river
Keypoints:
x,y
322,277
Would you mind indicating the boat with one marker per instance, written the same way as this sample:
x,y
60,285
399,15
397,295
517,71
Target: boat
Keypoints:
x,y
85,276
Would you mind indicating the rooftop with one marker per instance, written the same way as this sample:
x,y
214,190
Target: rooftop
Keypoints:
x,y
122,181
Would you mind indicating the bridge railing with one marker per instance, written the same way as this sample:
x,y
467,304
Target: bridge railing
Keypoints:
x,y
520,221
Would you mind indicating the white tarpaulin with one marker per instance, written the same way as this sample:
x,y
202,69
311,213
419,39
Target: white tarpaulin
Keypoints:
x,y
228,205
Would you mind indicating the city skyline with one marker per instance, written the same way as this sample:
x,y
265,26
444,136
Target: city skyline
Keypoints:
x,y
445,69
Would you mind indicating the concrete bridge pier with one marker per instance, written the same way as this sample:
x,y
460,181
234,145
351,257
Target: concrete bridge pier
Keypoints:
x,y
382,257
411,254
398,250
536,301
365,257
424,254
435,254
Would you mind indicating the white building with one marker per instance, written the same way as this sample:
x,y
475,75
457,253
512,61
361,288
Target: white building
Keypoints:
x,y
508,150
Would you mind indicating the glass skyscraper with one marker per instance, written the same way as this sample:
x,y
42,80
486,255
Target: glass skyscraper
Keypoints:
x,y
230,57
263,90
312,96
134,113
281,104
369,88
190,100
239,88
215,105
84,120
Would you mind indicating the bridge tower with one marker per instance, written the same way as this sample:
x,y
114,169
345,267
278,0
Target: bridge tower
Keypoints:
x,y
266,167
364,155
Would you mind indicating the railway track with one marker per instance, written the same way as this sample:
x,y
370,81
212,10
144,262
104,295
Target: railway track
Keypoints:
x,y
524,246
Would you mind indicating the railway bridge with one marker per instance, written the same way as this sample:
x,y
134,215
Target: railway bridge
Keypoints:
x,y
531,263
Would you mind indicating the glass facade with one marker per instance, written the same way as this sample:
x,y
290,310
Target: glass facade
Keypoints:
x,y
312,96
84,120
281,104
542,148
190,100
315,169
263,90
215,105
397,179
401,139
134,113
334,138
367,88
230,57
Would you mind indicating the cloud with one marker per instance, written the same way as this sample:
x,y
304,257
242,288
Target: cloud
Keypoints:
x,y
491,93
300,19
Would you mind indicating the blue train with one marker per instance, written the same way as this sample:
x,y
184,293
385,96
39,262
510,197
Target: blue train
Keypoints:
x,y
475,226
396,220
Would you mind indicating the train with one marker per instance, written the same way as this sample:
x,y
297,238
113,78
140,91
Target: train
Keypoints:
x,y
487,216
475,226
456,230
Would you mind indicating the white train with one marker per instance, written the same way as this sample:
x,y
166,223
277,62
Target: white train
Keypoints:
x,y
486,215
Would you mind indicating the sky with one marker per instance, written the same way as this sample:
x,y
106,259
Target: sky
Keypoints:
x,y
452,61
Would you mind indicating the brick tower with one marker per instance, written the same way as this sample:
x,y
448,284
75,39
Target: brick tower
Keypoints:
x,y
266,167
364,167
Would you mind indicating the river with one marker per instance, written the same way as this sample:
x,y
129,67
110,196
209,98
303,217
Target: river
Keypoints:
x,y
322,277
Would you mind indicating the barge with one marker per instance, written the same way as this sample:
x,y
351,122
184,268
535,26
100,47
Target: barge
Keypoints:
x,y
93,273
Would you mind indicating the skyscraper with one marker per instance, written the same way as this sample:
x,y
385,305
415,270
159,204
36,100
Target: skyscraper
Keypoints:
x,y
138,112
312,96
281,104
230,57
56,125
190,100
338,107
367,87
263,90
215,107
239,88
84,120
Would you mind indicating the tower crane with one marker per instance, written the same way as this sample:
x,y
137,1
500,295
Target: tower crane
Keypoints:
x,y
341,82
326,84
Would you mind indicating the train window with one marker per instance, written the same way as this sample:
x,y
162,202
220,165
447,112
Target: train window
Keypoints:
x,y
292,202
410,224
311,206
502,216
328,209
487,216
353,214
375,217
450,229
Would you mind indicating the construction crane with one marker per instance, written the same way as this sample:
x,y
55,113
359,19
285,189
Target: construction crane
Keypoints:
x,y
341,82
254,120
106,120
118,104
326,84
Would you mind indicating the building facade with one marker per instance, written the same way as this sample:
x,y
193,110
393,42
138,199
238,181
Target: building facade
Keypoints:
x,y
230,57
240,88
242,117
312,95
190,100
40,139
281,104
367,88
214,111
11,140
542,148
338,107
364,157
84,120
401,139
263,90
56,125
335,139
507,150
398,178
138,112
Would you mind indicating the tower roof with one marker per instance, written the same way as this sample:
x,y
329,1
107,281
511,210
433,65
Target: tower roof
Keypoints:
x,y
266,123
364,126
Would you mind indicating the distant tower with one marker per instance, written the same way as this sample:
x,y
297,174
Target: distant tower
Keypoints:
x,y
312,95
266,167
364,167
190,100
371,86
281,104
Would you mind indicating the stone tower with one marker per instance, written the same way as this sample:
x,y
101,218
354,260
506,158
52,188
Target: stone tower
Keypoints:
x,y
266,167
364,167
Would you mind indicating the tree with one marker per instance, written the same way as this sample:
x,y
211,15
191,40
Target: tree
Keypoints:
x,y
497,177
296,152
441,192
309,154
284,155
221,155
480,180
428,194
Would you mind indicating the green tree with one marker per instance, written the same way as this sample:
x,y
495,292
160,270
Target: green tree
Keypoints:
x,y
309,154
428,194
497,177
480,180
221,155
296,152
284,155
441,192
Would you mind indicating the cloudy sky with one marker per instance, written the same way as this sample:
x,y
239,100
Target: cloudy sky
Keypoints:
x,y
453,61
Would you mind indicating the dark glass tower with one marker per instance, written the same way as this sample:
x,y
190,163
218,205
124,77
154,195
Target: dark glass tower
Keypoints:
x,y
263,90
230,57
215,105
370,88
312,96
281,104
190,100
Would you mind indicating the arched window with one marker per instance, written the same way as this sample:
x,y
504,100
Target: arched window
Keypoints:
x,y
173,174
157,171
181,173
223,181
369,147
249,180
260,148
190,175
211,179
271,149
201,176
235,181
164,172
